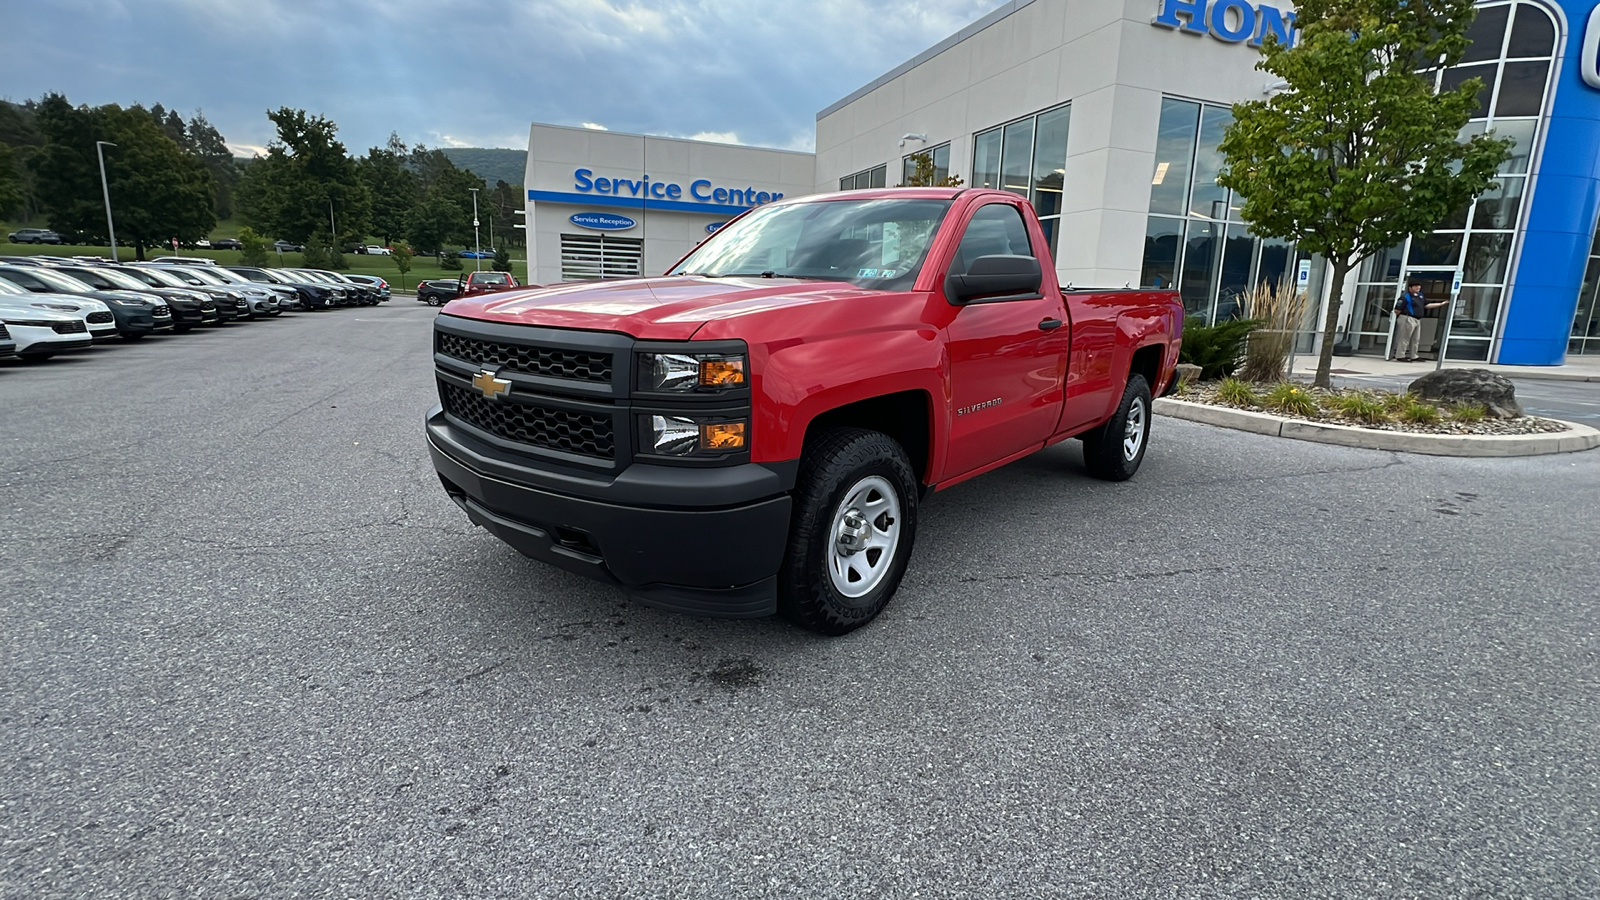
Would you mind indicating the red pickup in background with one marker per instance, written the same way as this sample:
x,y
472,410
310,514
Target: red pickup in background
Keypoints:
x,y
754,431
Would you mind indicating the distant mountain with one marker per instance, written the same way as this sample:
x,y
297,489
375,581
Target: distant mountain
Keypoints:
x,y
490,164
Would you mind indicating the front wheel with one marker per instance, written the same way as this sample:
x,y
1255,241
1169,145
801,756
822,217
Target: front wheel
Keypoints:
x,y
1114,451
855,519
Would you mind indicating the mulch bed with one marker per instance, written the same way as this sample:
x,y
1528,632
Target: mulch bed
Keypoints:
x,y
1206,392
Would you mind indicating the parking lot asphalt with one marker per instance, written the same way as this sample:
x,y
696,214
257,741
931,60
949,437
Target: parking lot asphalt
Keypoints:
x,y
249,648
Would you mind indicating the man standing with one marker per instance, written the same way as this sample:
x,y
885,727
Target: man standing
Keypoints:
x,y
1408,313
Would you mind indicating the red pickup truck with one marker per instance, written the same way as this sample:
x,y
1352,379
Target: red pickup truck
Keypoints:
x,y
754,431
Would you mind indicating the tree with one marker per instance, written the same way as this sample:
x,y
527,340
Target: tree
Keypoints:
x,y
1358,151
402,261
505,201
158,192
203,140
391,185
305,180
434,222
10,191
923,171
253,247
502,260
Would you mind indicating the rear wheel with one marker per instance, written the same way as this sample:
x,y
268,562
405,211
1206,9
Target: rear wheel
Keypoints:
x,y
1114,451
855,519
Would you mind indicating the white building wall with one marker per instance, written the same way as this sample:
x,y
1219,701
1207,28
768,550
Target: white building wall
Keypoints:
x,y
556,152
1104,56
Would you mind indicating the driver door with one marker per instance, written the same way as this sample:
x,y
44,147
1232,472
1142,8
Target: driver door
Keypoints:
x,y
1008,356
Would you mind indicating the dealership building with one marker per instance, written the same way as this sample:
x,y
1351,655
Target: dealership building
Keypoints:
x,y
1107,114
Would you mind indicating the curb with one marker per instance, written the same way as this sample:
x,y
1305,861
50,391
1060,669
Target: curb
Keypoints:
x,y
1579,437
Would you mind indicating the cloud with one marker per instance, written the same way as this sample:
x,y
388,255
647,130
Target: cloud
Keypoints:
x,y
479,72
716,137
593,126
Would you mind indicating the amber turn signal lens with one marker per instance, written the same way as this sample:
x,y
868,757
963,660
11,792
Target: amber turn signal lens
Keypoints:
x,y
722,436
721,371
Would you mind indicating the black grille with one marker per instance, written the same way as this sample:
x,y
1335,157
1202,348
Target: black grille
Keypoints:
x,y
550,362
160,311
3,332
76,326
552,429
101,317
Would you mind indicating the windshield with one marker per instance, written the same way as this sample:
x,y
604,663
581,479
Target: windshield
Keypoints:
x,y
142,276
872,243
165,278
181,273
224,276
61,282
207,276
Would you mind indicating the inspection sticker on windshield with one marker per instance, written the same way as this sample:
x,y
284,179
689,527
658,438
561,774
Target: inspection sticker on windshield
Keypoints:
x,y
877,273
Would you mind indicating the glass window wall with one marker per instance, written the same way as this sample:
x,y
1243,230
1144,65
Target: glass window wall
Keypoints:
x,y
1511,50
939,156
1027,157
867,178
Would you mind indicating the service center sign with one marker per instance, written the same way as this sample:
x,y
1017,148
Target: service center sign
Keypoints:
x,y
1229,21
601,221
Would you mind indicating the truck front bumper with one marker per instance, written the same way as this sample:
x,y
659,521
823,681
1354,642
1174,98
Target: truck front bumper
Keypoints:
x,y
704,541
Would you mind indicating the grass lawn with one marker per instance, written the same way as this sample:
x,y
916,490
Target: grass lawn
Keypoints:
x,y
422,267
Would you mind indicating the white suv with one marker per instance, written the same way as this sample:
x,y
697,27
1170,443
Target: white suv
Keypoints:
x,y
42,333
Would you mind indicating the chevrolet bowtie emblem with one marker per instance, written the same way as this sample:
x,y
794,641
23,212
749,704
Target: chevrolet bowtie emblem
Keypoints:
x,y
490,385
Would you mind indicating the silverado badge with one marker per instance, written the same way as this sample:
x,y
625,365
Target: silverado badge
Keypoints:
x,y
491,385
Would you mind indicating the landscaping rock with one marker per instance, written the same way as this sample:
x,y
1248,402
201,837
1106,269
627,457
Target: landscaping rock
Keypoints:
x,y
1188,372
1494,392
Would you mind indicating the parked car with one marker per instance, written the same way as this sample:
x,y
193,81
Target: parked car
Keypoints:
x,y
364,294
138,310
347,294
23,260
8,347
185,260
34,236
227,244
42,333
373,281
189,308
313,295
286,247
263,300
228,305
485,283
476,254
288,298
68,294
203,244
375,250
438,291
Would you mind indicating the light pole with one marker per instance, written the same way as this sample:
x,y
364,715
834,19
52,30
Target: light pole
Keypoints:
x,y
106,192
477,249
333,230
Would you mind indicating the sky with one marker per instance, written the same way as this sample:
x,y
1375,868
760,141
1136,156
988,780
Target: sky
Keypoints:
x,y
474,73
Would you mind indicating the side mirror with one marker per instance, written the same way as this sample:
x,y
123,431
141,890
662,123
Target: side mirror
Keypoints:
x,y
997,277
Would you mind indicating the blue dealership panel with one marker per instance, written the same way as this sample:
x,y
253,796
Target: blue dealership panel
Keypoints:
x,y
1566,202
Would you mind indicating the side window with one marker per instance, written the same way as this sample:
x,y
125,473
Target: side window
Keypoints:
x,y
995,229
27,282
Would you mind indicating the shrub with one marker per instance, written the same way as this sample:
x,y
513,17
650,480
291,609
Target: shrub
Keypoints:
x,y
253,247
1280,310
1418,413
1363,407
502,260
1394,403
1216,349
1292,399
1238,393
1469,412
451,260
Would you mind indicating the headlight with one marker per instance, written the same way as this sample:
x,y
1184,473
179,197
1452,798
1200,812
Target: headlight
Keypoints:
x,y
694,435
684,372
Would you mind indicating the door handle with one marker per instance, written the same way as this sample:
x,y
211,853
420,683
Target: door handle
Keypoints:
x,y
1049,324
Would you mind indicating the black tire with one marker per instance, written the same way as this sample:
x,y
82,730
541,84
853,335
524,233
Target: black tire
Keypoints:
x,y
1114,451
840,465
433,301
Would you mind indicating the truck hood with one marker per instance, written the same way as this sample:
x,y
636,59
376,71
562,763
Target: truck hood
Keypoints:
x,y
667,308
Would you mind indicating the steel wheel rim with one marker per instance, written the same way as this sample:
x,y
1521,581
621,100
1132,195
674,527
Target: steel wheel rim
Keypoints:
x,y
1133,432
864,536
